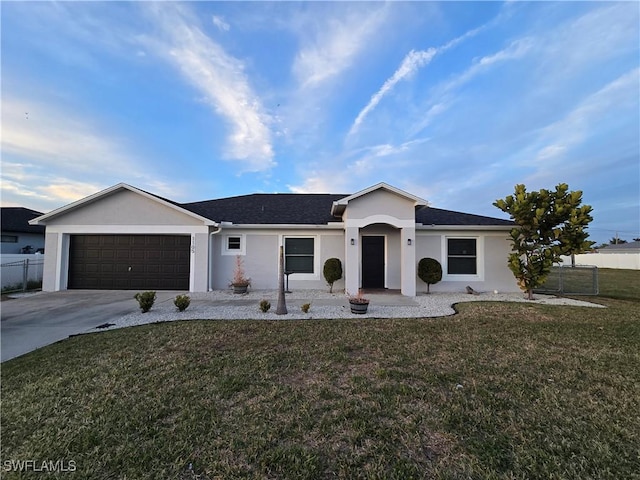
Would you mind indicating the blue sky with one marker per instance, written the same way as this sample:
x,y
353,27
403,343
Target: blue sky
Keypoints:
x,y
455,102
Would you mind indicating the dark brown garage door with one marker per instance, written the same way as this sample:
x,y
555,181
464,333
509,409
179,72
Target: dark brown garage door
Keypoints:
x,y
129,262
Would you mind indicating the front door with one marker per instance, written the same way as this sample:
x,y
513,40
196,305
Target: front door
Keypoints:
x,y
373,262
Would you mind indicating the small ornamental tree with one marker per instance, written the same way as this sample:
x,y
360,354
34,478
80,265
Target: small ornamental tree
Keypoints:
x,y
429,271
332,272
548,224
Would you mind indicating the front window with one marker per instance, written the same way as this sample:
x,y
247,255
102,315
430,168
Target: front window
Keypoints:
x,y
298,255
234,243
462,256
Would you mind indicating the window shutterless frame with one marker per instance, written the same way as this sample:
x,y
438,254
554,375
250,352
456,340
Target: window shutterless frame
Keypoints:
x,y
463,258
234,244
299,254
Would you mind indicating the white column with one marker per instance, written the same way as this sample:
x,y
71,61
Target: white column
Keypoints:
x,y
351,260
408,261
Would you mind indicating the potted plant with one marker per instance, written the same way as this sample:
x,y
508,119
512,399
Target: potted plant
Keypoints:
x,y
358,303
240,282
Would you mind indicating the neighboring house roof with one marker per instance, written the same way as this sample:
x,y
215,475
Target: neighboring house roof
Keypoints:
x,y
16,219
629,247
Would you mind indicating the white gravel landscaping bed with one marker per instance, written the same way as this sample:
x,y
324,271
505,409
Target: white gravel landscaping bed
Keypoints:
x,y
224,305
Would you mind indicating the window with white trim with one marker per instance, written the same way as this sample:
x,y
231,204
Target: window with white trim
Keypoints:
x,y
299,254
233,245
462,256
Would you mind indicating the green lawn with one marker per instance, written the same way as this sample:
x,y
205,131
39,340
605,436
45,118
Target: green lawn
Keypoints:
x,y
498,391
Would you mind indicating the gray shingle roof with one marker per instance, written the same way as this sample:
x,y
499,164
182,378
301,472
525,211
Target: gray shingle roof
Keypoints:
x,y
437,216
16,219
269,209
310,209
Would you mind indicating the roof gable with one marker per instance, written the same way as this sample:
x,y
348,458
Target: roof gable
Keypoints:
x,y
340,205
121,187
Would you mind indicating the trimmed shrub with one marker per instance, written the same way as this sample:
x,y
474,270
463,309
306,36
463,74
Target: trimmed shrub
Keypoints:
x,y
182,302
145,300
332,271
264,306
429,271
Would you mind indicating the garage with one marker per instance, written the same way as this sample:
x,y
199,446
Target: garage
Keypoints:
x,y
129,262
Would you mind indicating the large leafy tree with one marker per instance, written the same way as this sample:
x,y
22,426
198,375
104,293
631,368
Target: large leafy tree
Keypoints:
x,y
549,223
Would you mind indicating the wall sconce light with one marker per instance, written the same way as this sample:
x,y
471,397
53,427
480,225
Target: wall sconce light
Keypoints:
x,y
353,241
409,241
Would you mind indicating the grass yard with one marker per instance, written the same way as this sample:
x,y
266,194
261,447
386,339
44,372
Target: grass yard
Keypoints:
x,y
498,391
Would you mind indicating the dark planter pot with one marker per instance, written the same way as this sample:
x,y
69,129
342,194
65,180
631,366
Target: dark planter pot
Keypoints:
x,y
359,308
240,288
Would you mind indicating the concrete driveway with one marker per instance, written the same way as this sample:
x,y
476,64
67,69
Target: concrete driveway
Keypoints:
x,y
33,321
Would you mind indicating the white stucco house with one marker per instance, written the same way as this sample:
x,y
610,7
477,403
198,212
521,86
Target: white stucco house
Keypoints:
x,y
126,238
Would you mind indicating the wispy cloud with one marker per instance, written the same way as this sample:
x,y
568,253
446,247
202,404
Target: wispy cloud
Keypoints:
x,y
318,182
334,44
41,188
558,138
515,50
220,23
442,96
221,79
411,63
52,155
361,167
600,34
55,136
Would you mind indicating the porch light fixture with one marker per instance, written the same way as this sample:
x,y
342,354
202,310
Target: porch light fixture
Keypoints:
x,y
409,241
353,241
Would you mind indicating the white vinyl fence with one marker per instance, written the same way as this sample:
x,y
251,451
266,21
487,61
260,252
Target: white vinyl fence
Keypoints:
x,y
20,272
626,261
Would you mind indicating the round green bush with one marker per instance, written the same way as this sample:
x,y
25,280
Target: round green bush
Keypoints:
x,y
429,271
265,305
145,300
182,302
332,272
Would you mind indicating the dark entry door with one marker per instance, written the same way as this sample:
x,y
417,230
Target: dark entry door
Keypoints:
x,y
373,262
